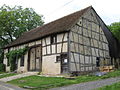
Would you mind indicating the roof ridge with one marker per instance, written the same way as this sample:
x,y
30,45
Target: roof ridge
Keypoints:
x,y
60,18
57,26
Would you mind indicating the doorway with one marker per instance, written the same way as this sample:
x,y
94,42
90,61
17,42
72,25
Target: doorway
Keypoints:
x,y
35,59
64,63
97,62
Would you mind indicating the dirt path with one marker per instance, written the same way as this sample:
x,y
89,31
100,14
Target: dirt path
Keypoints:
x,y
6,79
90,85
5,86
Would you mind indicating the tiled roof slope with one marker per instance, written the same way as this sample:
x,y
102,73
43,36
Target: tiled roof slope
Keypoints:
x,y
60,25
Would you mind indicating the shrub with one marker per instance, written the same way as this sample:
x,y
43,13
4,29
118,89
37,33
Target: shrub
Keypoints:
x,y
2,67
15,55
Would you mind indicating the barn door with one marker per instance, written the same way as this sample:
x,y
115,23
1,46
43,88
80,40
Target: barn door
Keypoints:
x,y
35,63
64,63
38,59
32,59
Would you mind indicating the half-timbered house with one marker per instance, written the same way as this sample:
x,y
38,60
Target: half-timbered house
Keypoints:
x,y
79,42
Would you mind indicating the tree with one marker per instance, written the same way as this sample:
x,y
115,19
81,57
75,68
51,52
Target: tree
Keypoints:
x,y
115,29
16,20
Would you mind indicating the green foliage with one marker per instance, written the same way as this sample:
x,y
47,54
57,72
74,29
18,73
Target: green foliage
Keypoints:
x,y
1,57
115,29
14,21
15,55
115,86
7,75
2,67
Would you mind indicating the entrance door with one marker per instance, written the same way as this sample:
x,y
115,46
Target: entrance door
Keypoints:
x,y
35,63
64,63
38,59
32,59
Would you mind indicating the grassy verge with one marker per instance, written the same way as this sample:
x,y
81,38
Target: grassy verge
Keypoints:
x,y
2,72
115,86
7,75
50,82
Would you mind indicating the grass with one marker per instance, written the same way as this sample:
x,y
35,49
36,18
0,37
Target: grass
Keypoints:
x,y
41,83
115,86
7,75
2,72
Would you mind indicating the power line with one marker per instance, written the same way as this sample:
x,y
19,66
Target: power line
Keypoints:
x,y
61,7
68,3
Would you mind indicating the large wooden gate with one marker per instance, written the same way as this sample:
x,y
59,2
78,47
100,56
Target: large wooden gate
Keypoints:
x,y
35,59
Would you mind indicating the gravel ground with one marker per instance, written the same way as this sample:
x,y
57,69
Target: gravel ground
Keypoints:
x,y
90,85
6,79
5,86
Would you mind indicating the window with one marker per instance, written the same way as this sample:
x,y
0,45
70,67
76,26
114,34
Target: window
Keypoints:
x,y
22,61
58,58
112,61
53,39
65,61
97,61
80,22
64,58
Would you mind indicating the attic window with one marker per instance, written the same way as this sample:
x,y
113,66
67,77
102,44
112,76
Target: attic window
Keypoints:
x,y
80,22
53,39
92,14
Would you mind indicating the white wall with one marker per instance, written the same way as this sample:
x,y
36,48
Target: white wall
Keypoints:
x,y
87,43
49,64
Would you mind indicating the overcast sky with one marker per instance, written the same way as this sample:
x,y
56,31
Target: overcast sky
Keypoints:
x,y
108,10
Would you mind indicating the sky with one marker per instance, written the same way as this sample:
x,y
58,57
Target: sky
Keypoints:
x,y
108,10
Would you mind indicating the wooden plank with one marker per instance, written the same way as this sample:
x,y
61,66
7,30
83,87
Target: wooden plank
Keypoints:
x,y
45,44
69,56
79,54
83,46
62,42
74,61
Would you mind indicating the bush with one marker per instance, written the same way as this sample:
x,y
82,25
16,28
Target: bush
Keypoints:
x,y
1,57
2,67
14,55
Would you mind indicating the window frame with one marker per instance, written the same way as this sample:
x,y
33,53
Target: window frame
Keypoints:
x,y
53,39
58,59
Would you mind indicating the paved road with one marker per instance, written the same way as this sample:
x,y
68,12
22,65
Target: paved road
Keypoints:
x,y
5,86
90,85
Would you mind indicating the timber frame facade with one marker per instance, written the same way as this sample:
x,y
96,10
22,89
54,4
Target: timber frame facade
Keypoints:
x,y
77,43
